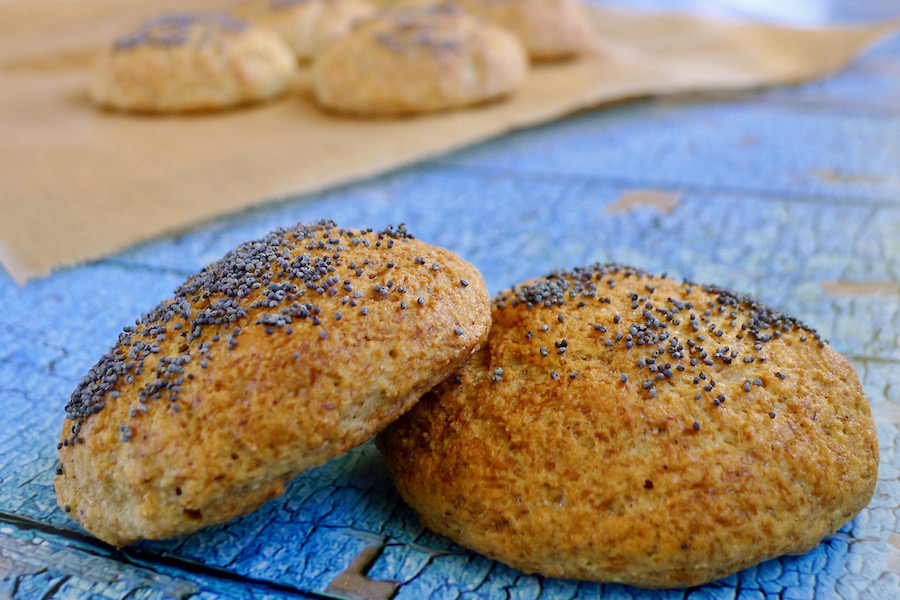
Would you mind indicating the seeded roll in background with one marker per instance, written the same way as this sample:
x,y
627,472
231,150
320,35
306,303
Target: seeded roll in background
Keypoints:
x,y
549,29
623,427
416,61
191,62
287,352
306,25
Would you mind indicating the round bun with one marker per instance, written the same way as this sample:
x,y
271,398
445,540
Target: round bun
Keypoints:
x,y
306,25
289,351
190,63
624,427
549,29
418,61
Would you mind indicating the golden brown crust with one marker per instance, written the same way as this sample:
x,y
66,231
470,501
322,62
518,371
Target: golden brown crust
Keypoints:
x,y
640,462
549,29
289,351
418,61
191,63
306,25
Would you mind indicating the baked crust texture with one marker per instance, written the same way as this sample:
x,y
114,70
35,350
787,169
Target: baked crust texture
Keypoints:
x,y
287,352
306,25
549,29
191,62
624,427
417,61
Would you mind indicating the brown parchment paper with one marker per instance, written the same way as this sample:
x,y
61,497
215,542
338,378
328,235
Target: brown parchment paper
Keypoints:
x,y
77,183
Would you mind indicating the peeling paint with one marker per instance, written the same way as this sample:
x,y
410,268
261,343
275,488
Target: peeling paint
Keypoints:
x,y
661,200
861,288
836,175
353,584
886,413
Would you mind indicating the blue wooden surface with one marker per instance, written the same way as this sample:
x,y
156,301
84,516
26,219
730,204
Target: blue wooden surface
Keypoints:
x,y
790,194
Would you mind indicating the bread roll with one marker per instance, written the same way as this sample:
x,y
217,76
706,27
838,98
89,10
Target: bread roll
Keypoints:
x,y
624,427
287,352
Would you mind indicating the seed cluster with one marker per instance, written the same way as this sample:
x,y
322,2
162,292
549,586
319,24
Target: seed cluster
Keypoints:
x,y
427,28
276,5
284,278
679,339
175,29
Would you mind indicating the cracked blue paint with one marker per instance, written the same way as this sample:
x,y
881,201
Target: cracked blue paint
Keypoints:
x,y
781,193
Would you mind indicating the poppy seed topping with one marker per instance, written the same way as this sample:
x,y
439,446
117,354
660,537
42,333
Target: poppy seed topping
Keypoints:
x,y
652,443
281,277
258,368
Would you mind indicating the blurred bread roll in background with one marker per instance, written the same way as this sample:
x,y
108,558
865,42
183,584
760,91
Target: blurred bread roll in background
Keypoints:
x,y
416,61
306,25
189,63
549,29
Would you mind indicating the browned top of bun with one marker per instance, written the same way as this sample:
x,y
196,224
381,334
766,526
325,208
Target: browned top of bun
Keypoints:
x,y
191,62
621,426
290,350
418,60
